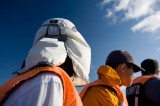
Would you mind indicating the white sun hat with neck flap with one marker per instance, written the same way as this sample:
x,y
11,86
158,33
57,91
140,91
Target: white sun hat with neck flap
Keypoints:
x,y
54,40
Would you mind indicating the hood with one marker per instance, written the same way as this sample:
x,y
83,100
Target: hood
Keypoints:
x,y
47,47
108,75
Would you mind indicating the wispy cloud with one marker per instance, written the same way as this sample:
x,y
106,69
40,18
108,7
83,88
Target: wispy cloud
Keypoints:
x,y
145,12
104,2
148,24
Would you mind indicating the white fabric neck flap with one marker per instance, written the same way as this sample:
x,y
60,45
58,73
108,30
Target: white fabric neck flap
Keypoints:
x,y
55,52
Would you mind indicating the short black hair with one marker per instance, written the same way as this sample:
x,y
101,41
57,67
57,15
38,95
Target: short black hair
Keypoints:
x,y
67,66
113,65
150,65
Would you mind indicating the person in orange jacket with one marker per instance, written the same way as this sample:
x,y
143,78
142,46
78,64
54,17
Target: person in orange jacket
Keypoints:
x,y
105,91
145,90
58,60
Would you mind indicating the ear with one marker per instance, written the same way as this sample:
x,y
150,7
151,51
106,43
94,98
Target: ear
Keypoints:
x,y
121,67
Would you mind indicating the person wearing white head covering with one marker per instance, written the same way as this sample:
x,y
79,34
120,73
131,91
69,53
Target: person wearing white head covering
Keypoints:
x,y
58,49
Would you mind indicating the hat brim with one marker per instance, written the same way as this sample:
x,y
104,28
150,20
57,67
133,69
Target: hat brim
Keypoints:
x,y
136,68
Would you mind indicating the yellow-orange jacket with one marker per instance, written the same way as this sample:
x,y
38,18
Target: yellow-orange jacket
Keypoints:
x,y
95,94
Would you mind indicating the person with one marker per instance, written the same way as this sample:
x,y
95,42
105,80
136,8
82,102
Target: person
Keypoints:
x,y
59,59
117,71
145,90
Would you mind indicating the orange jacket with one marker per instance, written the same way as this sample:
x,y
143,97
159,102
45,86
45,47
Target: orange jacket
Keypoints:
x,y
143,79
70,95
101,96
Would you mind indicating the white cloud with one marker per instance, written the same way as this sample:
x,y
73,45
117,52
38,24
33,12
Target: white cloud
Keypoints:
x,y
111,16
146,12
122,5
148,24
109,13
139,8
104,2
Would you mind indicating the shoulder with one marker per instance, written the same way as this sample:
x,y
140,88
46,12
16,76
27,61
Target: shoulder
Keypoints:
x,y
41,80
152,82
152,86
36,87
152,91
100,90
44,78
100,95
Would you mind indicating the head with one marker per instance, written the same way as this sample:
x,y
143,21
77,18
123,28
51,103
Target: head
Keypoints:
x,y
122,62
59,43
151,67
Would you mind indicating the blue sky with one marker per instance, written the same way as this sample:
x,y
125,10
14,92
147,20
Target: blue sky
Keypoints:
x,y
105,24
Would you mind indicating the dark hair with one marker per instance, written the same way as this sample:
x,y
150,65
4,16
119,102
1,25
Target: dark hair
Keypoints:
x,y
68,67
150,66
113,65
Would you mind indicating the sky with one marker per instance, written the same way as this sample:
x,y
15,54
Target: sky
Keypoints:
x,y
132,25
